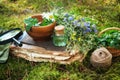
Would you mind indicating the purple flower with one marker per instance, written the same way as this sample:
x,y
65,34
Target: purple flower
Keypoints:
x,y
94,28
70,18
75,22
84,32
87,24
88,30
65,19
78,24
66,15
83,19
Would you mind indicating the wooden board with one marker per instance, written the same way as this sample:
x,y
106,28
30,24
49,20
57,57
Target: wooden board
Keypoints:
x,y
44,44
44,52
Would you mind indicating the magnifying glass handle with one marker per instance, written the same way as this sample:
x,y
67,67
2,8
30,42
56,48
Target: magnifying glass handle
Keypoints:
x,y
16,41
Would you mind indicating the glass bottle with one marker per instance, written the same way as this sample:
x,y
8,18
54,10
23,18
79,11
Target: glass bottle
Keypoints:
x,y
59,38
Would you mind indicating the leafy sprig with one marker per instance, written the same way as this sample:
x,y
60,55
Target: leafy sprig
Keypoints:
x,y
111,39
46,22
29,22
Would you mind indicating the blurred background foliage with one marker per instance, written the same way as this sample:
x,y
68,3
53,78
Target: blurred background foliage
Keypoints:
x,y
12,14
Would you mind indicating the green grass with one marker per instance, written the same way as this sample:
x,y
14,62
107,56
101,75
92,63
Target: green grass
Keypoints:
x,y
12,14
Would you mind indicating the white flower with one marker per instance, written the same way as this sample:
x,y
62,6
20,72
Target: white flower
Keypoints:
x,y
48,16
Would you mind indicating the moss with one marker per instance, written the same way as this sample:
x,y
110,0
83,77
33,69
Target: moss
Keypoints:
x,y
12,14
14,69
43,72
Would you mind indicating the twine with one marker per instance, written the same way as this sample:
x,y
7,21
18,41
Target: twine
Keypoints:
x,y
101,58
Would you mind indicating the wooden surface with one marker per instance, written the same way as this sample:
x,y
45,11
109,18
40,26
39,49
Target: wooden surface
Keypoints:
x,y
44,51
44,44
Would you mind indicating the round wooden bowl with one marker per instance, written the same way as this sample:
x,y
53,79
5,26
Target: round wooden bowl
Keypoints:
x,y
41,33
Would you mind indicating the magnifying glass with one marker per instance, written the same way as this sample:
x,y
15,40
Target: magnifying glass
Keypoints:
x,y
11,36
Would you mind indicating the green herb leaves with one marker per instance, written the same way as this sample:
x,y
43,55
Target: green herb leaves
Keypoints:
x,y
46,22
29,22
111,39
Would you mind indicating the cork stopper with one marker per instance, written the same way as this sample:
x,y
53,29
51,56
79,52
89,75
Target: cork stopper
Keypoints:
x,y
59,30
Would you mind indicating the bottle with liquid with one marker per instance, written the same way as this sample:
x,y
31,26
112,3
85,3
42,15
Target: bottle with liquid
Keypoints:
x,y
59,38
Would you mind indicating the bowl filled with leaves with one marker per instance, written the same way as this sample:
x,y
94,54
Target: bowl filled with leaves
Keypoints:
x,y
40,26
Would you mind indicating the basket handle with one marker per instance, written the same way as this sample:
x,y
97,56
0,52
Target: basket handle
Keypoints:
x,y
107,29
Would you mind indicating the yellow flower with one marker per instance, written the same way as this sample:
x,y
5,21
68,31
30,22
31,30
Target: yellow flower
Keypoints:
x,y
79,39
51,16
73,36
74,33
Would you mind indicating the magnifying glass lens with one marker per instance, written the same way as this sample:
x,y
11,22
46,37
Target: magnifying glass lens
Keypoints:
x,y
9,35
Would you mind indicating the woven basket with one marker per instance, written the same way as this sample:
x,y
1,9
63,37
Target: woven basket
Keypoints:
x,y
115,52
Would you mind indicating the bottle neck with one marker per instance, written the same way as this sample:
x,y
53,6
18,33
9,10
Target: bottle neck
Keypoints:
x,y
59,30
59,34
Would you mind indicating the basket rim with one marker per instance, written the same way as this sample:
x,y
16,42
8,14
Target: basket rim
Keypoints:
x,y
107,29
